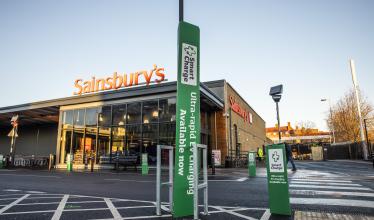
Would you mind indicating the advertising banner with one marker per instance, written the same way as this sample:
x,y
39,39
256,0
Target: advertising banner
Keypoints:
x,y
217,157
188,117
279,198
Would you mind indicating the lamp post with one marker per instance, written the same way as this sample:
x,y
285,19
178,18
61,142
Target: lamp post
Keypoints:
x,y
276,94
332,124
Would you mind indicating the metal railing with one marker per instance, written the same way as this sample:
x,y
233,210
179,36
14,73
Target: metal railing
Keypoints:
x,y
204,184
159,184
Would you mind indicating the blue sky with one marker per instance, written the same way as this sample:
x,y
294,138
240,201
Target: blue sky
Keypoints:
x,y
304,45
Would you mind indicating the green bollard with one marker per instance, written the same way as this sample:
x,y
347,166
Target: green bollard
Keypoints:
x,y
145,167
1,161
252,164
276,166
69,165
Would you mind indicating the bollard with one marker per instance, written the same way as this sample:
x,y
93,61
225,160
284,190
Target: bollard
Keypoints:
x,y
213,165
276,167
51,162
92,161
252,164
145,167
117,160
69,165
372,156
1,161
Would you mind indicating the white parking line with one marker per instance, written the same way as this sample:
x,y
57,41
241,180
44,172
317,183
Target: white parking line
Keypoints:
x,y
266,215
242,179
337,202
233,213
60,208
329,187
11,190
321,180
332,193
326,183
2,210
112,209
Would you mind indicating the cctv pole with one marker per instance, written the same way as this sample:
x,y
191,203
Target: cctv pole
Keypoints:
x,y
355,86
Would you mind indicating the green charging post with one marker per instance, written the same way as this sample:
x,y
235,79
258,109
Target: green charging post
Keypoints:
x,y
252,164
279,197
69,165
145,167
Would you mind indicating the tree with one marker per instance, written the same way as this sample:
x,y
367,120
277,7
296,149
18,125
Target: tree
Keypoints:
x,y
306,127
344,117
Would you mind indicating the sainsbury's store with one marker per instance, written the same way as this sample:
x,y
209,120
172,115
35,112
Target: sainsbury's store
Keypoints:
x,y
128,114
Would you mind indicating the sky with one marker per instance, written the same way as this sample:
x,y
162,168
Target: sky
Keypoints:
x,y
304,45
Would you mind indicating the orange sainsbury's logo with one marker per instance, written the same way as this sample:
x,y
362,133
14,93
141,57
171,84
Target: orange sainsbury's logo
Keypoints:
x,y
118,81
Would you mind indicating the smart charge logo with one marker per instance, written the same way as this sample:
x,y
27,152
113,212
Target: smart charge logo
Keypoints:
x,y
189,65
276,161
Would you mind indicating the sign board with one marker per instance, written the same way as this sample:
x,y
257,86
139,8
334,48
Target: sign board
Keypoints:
x,y
276,166
13,133
252,164
118,80
217,157
188,117
145,167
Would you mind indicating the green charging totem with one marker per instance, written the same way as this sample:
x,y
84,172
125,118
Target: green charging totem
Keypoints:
x,y
145,167
276,165
187,117
252,164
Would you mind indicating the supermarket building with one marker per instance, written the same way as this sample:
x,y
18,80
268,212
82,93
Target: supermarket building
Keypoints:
x,y
129,121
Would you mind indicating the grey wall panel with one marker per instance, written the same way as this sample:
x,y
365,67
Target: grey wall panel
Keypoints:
x,y
28,143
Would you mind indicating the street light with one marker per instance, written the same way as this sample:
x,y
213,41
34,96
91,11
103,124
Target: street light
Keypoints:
x,y
276,94
332,124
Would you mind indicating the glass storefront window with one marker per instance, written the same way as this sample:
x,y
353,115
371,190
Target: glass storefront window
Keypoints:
x,y
134,114
91,116
90,143
167,109
119,115
67,119
78,146
65,145
105,115
150,112
150,139
118,140
79,117
103,146
133,139
167,134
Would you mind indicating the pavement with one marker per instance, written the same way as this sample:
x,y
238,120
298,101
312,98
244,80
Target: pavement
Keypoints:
x,y
318,190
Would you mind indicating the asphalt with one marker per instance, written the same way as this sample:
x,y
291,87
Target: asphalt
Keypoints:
x,y
344,187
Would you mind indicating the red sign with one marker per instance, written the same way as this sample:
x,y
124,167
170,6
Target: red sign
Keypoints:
x,y
246,115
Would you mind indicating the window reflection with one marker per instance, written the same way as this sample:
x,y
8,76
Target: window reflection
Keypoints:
x,y
167,110
133,139
119,115
105,116
79,117
150,137
67,119
103,146
150,112
91,116
134,113
118,140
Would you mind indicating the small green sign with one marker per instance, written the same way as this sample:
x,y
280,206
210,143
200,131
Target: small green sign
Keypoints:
x,y
69,162
188,117
252,164
276,165
145,167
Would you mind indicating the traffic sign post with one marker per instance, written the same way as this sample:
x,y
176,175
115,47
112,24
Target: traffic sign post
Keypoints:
x,y
279,198
145,167
252,164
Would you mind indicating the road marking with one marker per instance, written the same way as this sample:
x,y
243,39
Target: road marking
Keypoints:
x,y
326,183
112,209
11,194
30,212
35,192
136,181
7,174
336,193
60,208
266,215
2,210
9,198
242,179
11,190
233,213
330,187
321,180
329,202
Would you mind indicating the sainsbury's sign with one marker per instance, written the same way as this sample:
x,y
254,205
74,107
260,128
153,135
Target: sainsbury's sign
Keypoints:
x,y
246,115
117,81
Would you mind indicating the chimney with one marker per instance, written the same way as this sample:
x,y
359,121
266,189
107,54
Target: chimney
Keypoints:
x,y
288,125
